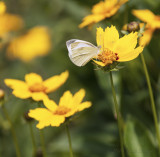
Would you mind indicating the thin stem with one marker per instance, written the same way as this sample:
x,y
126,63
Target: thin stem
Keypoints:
x,y
12,131
42,138
42,142
69,141
151,99
33,139
118,116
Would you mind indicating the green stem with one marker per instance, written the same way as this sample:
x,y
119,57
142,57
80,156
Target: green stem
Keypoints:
x,y
42,142
151,99
69,141
118,116
12,131
42,137
33,139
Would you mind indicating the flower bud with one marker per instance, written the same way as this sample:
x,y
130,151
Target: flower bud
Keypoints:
x,y
133,26
27,118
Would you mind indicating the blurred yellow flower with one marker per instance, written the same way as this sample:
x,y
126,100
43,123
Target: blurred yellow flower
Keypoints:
x,y
153,22
35,87
36,42
115,49
2,8
54,115
102,10
147,35
8,22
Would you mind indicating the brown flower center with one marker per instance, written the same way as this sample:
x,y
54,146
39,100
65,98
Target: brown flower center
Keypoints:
x,y
37,87
61,110
108,57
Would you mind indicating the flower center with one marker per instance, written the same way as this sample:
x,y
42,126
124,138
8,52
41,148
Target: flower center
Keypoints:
x,y
61,110
108,57
37,87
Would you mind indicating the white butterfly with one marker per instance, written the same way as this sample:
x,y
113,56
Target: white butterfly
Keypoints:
x,y
81,52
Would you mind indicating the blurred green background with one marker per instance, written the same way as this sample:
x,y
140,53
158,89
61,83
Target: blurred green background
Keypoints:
x,y
94,131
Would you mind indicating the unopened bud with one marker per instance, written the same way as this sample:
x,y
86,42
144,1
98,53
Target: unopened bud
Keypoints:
x,y
27,118
133,26
1,94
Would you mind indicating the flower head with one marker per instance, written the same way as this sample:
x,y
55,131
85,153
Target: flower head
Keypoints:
x,y
55,114
102,10
115,49
36,42
153,22
8,22
2,8
35,87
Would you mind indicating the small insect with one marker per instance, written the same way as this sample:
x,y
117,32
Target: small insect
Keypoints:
x,y
81,52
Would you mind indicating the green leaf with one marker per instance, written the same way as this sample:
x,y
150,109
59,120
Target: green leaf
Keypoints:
x,y
138,141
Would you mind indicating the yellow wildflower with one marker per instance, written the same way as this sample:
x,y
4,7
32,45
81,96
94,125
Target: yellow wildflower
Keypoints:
x,y
115,49
153,22
2,8
147,34
54,115
8,22
36,42
102,10
35,87
147,16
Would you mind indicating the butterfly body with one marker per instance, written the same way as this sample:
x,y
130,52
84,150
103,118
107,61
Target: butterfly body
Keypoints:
x,y
81,52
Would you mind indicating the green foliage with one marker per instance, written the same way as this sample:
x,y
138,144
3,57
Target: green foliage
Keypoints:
x,y
94,132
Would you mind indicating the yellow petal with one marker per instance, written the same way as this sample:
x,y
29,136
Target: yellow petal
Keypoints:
x,y
14,84
99,63
91,19
66,99
126,43
36,42
45,118
144,15
130,55
72,112
100,37
98,8
78,97
111,35
33,78
50,104
84,105
145,39
10,22
21,93
55,82
38,96
2,8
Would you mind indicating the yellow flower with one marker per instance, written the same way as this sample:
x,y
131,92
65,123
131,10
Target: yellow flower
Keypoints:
x,y
8,22
2,8
36,42
152,20
35,87
54,115
115,49
147,35
102,10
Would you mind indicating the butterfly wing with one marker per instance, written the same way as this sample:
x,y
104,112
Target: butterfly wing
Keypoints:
x,y
81,52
